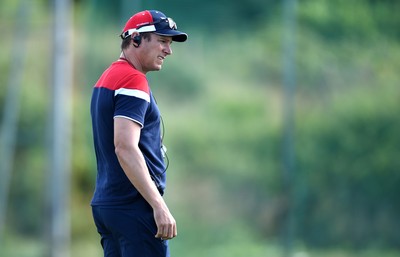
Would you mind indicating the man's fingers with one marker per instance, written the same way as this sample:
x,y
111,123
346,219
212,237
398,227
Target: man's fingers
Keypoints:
x,y
160,232
167,231
174,232
158,235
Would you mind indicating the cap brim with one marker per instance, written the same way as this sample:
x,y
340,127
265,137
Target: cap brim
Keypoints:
x,y
176,35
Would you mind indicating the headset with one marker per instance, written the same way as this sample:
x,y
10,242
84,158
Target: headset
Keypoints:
x,y
137,40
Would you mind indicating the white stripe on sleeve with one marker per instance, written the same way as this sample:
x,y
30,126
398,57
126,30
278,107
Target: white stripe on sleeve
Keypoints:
x,y
133,92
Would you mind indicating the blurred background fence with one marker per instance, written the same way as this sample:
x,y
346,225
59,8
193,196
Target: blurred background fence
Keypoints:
x,y
282,125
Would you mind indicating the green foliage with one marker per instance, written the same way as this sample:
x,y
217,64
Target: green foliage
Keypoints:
x,y
348,163
220,95
339,20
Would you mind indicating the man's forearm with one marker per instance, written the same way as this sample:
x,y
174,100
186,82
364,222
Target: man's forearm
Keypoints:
x,y
134,166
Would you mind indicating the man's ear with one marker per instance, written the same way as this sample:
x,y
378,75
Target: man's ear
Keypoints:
x,y
137,39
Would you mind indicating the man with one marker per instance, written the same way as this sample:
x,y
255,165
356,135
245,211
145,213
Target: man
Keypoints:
x,y
128,209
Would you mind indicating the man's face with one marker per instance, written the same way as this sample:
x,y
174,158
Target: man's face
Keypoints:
x,y
154,51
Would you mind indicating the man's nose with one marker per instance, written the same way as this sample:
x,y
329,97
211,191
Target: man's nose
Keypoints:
x,y
168,49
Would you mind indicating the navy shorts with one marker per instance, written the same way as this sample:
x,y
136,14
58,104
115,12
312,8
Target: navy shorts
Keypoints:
x,y
129,230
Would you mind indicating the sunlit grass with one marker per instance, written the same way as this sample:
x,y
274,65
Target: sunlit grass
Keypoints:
x,y
90,247
22,247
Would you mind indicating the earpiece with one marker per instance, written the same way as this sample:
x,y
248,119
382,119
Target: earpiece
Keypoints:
x,y
137,40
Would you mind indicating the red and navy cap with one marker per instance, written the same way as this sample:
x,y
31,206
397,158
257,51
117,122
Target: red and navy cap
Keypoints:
x,y
153,21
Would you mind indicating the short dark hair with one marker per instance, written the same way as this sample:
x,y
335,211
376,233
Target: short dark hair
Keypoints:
x,y
126,41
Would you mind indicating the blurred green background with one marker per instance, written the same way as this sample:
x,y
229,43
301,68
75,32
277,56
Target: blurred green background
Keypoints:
x,y
258,166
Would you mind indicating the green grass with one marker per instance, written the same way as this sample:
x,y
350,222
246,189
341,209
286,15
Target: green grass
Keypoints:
x,y
31,247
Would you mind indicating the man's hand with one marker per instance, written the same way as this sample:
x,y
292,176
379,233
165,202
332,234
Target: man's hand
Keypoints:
x,y
166,224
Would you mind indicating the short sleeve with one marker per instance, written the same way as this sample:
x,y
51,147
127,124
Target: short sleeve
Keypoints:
x,y
132,99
